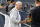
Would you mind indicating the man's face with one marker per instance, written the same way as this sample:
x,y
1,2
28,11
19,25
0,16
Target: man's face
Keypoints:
x,y
30,7
13,3
19,5
26,6
8,2
37,3
2,5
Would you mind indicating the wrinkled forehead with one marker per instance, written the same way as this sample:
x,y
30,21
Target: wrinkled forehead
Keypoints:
x,y
19,3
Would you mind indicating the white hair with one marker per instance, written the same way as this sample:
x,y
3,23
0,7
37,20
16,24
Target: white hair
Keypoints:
x,y
18,2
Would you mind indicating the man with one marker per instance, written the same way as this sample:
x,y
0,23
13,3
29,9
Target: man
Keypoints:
x,y
25,7
2,6
31,6
2,9
2,17
12,3
15,18
11,6
35,16
8,2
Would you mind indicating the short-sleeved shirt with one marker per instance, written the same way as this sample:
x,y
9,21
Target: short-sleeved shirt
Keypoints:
x,y
35,14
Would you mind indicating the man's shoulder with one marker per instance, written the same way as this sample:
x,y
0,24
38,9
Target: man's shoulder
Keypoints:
x,y
34,8
9,5
13,10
